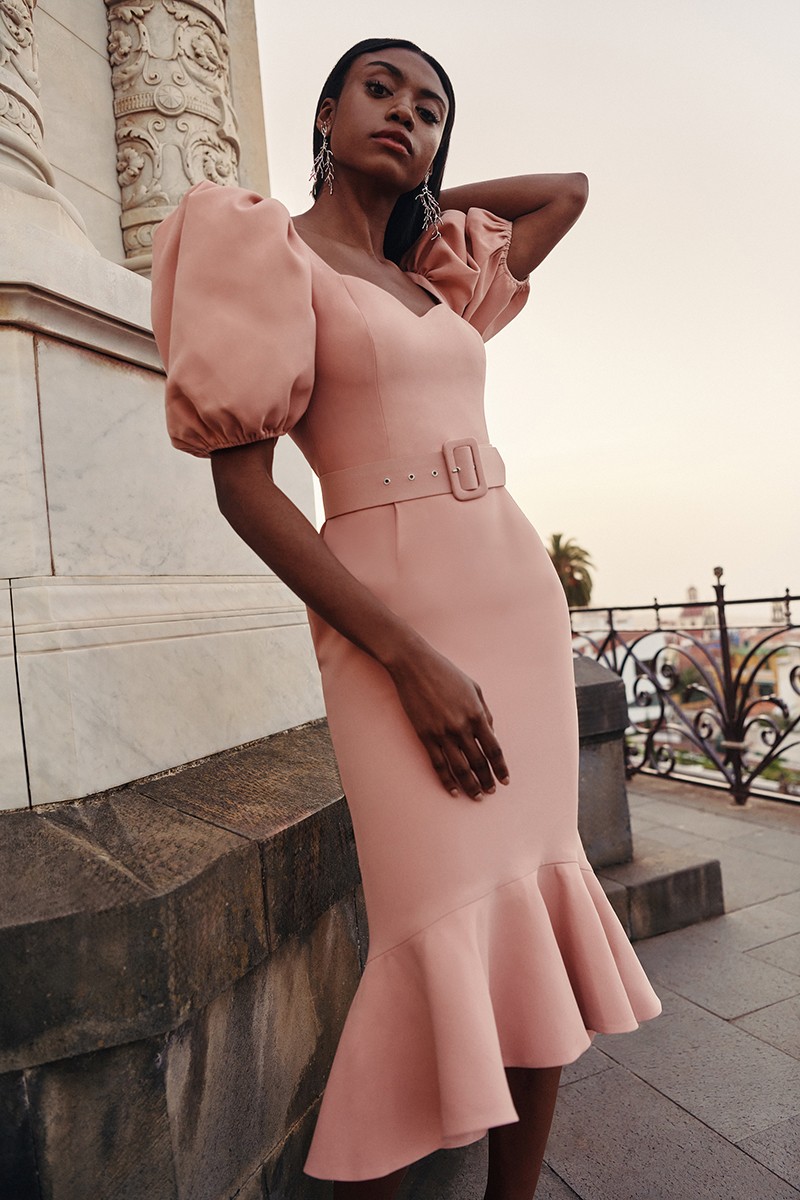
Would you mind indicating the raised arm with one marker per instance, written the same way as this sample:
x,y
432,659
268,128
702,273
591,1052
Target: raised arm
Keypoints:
x,y
542,208
445,707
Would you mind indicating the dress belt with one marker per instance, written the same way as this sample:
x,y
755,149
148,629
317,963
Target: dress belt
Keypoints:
x,y
462,468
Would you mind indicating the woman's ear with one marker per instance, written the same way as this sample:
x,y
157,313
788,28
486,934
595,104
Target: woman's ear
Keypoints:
x,y
327,111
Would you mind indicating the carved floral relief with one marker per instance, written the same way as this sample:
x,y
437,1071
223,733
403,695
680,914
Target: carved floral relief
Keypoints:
x,y
19,79
175,121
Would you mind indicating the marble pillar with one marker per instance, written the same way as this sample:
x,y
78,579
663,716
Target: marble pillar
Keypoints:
x,y
175,120
136,631
24,167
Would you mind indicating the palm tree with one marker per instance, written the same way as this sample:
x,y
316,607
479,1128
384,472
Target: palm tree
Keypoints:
x,y
572,563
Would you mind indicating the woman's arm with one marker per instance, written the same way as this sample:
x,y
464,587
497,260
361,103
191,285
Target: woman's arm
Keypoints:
x,y
542,208
445,707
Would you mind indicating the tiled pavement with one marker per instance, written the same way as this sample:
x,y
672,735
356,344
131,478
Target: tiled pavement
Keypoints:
x,y
702,1103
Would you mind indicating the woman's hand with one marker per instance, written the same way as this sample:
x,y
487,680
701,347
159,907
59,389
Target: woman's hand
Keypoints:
x,y
443,704
452,720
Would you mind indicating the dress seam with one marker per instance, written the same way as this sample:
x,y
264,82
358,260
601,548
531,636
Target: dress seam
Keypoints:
x,y
563,862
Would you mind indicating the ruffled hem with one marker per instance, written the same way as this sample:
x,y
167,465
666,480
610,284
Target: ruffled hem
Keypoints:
x,y
522,977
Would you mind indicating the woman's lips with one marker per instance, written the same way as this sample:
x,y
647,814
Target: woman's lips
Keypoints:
x,y
394,141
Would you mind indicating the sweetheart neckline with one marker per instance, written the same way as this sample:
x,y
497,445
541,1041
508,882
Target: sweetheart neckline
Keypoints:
x,y
345,275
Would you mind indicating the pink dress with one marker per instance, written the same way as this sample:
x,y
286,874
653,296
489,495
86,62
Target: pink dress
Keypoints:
x,y
492,942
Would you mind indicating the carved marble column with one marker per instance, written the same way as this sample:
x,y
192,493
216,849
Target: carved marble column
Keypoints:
x,y
172,103
23,163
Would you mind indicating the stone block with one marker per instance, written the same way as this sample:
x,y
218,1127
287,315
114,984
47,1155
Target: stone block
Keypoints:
x,y
603,817
101,1126
669,890
617,895
19,1178
25,548
13,780
251,1065
184,666
777,1024
602,707
103,941
283,1171
778,1148
284,793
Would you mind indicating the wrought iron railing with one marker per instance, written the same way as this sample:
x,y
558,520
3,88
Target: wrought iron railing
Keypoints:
x,y
705,701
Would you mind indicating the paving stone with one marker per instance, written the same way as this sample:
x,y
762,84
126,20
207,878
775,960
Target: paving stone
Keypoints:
x,y
553,1187
783,953
778,1148
777,1024
589,1063
749,877
250,1066
668,890
734,1083
101,1126
680,819
18,1174
448,1175
616,1138
747,928
283,1174
774,842
708,969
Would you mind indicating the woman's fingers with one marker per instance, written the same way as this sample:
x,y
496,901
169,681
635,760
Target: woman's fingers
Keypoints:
x,y
471,761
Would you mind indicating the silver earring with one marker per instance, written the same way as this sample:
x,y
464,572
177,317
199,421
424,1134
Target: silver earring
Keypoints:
x,y
431,213
322,171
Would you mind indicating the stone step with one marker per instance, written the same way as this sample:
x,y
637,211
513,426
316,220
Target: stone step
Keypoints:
x,y
660,892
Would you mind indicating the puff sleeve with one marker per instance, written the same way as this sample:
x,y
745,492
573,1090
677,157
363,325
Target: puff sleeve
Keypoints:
x,y
468,266
233,319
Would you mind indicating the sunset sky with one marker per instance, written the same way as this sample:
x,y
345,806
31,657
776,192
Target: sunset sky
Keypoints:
x,y
646,401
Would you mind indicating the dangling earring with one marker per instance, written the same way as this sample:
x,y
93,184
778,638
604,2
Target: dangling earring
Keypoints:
x,y
322,171
431,213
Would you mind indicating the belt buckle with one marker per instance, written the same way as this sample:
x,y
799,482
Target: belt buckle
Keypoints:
x,y
463,459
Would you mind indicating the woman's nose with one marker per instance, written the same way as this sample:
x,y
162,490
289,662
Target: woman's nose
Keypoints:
x,y
402,112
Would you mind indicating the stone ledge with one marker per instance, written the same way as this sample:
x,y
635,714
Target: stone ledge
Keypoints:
x,y
664,891
100,897
602,707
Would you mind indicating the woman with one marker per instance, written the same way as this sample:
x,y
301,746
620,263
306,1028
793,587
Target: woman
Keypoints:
x,y
440,626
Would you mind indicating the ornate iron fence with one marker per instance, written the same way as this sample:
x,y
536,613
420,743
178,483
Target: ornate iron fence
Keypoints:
x,y
707,701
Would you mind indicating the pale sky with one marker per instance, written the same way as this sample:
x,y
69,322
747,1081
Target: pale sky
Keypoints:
x,y
646,400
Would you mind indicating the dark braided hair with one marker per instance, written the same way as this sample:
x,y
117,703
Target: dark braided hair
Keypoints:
x,y
405,222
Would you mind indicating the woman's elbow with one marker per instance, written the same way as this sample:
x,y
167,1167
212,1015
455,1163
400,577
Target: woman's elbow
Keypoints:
x,y
576,188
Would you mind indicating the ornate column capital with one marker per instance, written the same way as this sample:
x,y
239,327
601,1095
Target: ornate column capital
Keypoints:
x,y
175,120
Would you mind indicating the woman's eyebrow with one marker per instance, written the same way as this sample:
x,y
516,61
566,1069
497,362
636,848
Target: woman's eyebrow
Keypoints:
x,y
398,74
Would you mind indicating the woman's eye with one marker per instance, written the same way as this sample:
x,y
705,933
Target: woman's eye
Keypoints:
x,y
376,88
429,115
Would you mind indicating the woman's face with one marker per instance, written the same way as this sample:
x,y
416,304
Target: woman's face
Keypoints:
x,y
389,119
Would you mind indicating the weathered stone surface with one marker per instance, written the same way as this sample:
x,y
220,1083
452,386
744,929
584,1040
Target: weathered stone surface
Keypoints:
x,y
101,1126
603,816
18,1174
101,937
249,1067
283,1171
669,890
778,1148
285,794
617,894
602,708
